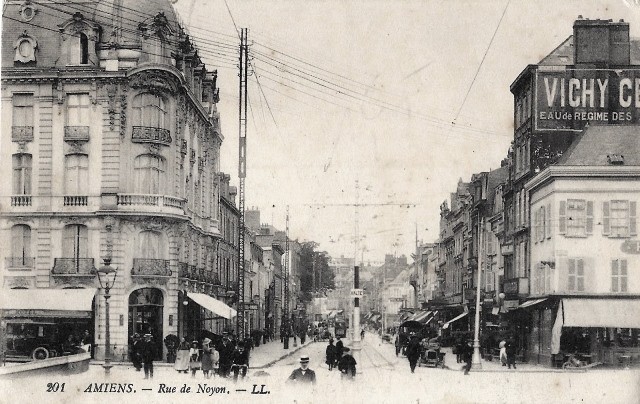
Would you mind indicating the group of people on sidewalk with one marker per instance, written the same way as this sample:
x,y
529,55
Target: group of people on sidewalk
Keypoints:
x,y
338,356
222,359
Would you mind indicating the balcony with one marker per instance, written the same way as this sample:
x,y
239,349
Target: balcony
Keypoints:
x,y
20,263
73,200
144,201
516,286
21,200
146,134
150,267
22,134
74,272
76,133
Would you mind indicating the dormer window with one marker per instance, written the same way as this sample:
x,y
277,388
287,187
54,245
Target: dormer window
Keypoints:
x,y
79,37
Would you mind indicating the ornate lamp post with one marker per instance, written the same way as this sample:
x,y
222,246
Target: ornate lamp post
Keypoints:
x,y
107,278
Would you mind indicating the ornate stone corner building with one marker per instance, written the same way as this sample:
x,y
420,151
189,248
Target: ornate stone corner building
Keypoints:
x,y
109,148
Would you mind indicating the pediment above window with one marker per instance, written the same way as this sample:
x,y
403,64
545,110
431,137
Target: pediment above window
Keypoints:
x,y
156,81
78,24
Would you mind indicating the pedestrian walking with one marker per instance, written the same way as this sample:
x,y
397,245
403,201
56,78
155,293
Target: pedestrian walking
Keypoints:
x,y
397,344
148,353
330,354
194,358
511,353
467,355
459,348
207,358
362,335
347,365
240,362
413,351
503,352
303,375
182,357
226,357
136,358
339,349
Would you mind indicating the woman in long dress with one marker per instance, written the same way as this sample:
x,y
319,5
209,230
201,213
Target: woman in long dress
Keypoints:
x,y
182,357
207,360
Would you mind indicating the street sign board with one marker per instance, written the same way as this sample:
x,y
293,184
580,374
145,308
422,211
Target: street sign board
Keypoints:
x,y
250,306
357,292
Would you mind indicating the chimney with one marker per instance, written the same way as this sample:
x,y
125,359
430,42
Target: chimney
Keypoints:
x,y
601,42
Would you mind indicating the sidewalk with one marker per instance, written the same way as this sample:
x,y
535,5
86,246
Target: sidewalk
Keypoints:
x,y
261,357
273,351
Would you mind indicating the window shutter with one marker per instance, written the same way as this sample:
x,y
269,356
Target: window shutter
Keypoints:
x,y
562,217
536,226
543,224
606,222
572,275
589,223
623,275
580,281
548,219
614,275
633,226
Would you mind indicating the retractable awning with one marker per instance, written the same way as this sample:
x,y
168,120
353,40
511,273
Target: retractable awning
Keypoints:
x,y
446,325
530,303
213,305
615,313
421,316
47,302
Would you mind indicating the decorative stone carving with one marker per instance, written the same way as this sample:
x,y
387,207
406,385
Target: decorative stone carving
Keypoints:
x,y
156,81
75,280
28,11
149,280
112,90
19,281
25,47
123,113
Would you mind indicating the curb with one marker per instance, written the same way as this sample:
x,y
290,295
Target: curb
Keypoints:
x,y
289,353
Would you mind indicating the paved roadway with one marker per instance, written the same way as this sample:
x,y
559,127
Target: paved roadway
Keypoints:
x,y
382,378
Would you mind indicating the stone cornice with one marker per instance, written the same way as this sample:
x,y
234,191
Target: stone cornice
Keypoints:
x,y
552,172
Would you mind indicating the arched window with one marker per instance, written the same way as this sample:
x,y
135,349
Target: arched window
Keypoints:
x,y
75,241
76,172
150,244
149,172
149,110
21,246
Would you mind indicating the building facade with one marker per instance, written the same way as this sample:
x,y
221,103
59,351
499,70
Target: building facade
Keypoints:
x,y
111,137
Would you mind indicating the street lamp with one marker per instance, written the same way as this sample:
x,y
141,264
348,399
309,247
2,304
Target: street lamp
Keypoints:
x,y
107,278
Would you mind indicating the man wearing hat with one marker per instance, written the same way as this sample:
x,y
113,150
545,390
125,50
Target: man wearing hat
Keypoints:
x,y
303,374
148,353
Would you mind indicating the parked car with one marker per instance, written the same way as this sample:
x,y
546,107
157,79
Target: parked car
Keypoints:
x,y
36,340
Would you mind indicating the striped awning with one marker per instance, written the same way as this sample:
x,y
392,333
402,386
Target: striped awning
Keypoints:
x,y
446,325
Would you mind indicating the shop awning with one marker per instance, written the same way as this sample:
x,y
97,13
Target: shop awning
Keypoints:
x,y
433,315
47,302
374,317
530,303
421,316
446,325
615,313
213,305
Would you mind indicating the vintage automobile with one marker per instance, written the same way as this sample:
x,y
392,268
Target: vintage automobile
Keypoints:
x,y
34,340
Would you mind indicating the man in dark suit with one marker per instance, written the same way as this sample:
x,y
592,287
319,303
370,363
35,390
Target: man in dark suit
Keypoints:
x,y
303,375
148,352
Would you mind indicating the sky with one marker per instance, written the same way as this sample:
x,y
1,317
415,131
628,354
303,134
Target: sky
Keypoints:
x,y
402,98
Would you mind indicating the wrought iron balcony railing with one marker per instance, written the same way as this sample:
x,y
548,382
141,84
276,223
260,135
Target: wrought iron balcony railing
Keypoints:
x,y
73,266
150,267
22,134
76,133
20,263
147,134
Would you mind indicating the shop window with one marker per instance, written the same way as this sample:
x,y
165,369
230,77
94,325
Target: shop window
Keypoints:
x,y
149,170
619,281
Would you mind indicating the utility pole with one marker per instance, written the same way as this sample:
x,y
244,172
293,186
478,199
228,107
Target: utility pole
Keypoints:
x,y
242,172
287,325
355,331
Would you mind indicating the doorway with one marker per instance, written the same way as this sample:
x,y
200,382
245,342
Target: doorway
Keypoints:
x,y
145,316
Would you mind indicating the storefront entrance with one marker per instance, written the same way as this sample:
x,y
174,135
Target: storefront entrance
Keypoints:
x,y
145,316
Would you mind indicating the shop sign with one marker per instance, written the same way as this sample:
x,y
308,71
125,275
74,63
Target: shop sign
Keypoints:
x,y
46,313
510,287
249,306
568,99
631,247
